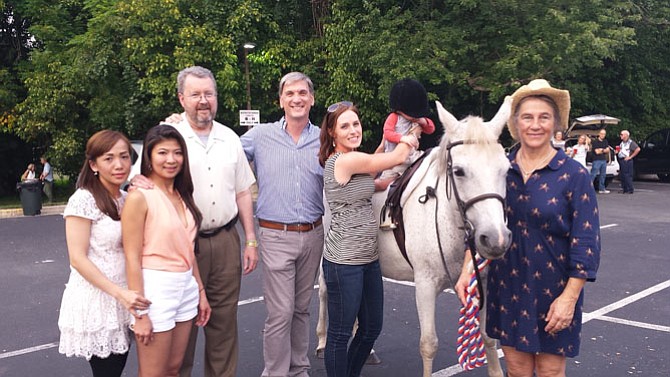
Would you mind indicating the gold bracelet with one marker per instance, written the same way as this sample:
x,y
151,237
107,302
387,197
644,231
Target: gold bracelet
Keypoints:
x,y
252,243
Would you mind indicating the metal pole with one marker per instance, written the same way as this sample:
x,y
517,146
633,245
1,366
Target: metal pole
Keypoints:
x,y
246,73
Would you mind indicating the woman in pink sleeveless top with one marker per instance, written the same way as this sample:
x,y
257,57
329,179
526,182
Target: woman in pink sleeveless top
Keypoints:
x,y
159,231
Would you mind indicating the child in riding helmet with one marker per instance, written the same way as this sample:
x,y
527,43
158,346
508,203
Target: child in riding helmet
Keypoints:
x,y
409,111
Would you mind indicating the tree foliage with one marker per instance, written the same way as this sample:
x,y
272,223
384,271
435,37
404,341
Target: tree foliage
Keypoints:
x,y
77,66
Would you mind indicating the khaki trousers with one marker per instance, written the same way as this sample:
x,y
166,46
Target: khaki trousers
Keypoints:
x,y
219,260
290,264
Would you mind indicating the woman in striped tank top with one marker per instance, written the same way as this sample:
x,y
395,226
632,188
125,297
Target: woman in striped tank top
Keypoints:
x,y
351,260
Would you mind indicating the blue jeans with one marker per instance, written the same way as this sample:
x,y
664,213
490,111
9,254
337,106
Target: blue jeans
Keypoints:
x,y
353,292
599,168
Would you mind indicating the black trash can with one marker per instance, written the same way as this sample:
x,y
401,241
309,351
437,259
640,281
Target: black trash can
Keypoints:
x,y
30,192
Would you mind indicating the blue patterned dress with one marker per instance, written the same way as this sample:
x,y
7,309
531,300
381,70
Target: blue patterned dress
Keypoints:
x,y
555,235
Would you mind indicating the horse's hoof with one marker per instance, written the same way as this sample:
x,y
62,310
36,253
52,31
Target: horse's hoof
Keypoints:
x,y
373,359
320,354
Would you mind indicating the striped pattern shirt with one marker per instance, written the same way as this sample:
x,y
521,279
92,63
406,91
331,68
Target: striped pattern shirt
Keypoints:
x,y
289,176
352,237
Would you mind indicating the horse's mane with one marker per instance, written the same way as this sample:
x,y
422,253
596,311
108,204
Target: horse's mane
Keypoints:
x,y
471,130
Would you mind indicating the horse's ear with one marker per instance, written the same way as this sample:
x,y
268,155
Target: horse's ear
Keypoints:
x,y
449,122
501,118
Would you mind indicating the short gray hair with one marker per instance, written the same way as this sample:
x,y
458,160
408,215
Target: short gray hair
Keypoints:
x,y
625,132
197,71
293,77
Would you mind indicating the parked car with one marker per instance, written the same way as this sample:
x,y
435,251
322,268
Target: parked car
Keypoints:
x,y
136,157
654,156
590,125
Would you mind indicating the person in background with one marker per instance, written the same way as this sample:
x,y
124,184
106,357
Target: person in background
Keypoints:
x,y
535,293
159,234
351,258
96,307
47,177
409,111
222,178
557,141
29,174
289,211
601,150
580,150
627,151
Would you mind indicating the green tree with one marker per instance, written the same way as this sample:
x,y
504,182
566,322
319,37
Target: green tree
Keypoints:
x,y
469,54
97,64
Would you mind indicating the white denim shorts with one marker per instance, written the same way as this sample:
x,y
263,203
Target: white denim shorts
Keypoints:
x,y
174,298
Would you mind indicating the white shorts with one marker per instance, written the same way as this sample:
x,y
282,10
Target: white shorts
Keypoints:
x,y
174,298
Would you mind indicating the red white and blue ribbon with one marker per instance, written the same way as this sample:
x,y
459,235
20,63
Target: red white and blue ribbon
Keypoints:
x,y
470,345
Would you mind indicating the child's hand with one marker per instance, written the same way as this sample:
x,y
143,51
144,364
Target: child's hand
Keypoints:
x,y
422,122
410,140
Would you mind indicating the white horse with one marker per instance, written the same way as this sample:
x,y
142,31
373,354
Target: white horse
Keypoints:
x,y
466,175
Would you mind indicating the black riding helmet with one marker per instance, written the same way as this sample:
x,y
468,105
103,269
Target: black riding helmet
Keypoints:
x,y
410,97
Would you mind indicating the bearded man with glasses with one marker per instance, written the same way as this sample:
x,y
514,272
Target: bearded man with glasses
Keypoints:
x,y
222,180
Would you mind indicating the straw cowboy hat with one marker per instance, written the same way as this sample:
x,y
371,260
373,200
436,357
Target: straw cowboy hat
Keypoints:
x,y
541,87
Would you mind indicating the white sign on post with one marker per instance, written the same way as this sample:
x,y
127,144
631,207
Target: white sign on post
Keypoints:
x,y
250,117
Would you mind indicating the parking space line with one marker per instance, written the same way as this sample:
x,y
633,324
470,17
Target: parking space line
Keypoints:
x,y
453,370
41,347
608,226
598,314
626,301
642,325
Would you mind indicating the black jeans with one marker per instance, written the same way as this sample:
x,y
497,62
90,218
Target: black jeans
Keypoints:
x,y
111,366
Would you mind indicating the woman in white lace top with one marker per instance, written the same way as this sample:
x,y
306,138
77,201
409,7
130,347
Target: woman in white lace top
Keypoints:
x,y
96,307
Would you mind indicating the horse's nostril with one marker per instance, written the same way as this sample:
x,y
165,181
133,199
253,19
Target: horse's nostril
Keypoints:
x,y
484,241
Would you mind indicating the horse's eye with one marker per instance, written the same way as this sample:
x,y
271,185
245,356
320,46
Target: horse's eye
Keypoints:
x,y
459,172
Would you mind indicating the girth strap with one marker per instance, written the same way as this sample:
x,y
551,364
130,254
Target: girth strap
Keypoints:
x,y
394,207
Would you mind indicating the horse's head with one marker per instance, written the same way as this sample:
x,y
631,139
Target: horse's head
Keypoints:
x,y
476,167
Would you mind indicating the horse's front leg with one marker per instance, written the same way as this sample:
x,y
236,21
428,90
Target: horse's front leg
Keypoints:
x,y
426,293
493,363
321,326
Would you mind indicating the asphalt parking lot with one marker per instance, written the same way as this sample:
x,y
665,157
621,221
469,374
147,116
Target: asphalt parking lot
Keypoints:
x,y
627,310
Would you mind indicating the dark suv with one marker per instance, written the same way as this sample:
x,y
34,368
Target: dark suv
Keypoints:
x,y
654,156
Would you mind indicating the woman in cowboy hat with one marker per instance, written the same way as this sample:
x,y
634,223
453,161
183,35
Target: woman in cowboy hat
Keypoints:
x,y
535,292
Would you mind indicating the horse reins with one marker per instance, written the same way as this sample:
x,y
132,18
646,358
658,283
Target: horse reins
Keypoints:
x,y
463,207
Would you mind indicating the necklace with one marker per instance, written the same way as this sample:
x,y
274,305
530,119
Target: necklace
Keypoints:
x,y
527,173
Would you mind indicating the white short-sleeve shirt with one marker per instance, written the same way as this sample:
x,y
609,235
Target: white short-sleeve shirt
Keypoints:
x,y
219,170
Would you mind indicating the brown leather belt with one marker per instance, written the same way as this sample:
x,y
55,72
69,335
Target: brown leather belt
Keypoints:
x,y
289,227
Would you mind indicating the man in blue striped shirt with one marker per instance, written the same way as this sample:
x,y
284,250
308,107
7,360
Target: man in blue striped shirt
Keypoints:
x,y
289,211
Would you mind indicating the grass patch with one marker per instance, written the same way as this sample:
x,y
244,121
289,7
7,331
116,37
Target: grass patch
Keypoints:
x,y
63,189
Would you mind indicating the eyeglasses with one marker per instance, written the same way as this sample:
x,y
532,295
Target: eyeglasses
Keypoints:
x,y
197,96
332,108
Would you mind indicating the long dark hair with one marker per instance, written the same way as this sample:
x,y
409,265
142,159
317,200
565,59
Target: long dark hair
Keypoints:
x,y
100,143
182,182
328,128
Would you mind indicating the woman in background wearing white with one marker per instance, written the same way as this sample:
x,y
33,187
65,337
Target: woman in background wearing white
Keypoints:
x,y
579,150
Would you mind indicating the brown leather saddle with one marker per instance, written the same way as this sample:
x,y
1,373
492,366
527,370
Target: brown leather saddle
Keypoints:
x,y
394,207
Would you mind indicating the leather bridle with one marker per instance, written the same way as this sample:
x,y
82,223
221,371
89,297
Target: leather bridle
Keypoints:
x,y
463,207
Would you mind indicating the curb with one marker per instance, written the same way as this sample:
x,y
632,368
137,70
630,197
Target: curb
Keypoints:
x,y
18,212
58,209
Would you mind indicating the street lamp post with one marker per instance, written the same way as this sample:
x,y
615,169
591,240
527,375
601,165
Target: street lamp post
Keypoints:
x,y
248,46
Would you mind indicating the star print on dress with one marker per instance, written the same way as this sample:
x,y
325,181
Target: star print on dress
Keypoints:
x,y
555,236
